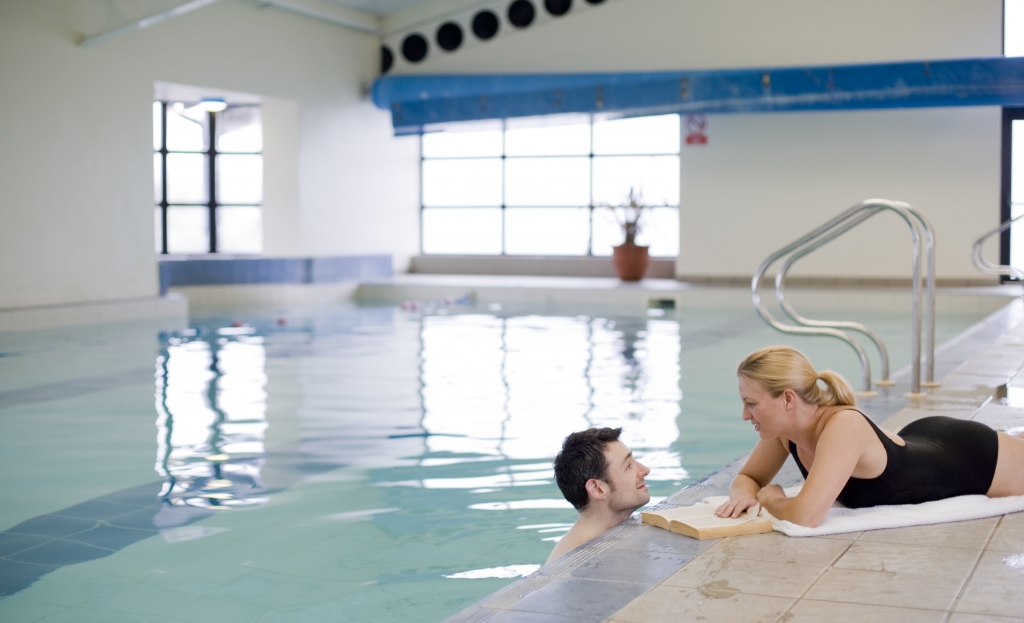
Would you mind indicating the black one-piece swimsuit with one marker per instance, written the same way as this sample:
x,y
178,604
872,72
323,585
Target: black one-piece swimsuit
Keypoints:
x,y
943,457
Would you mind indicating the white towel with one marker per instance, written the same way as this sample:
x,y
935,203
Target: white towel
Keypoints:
x,y
841,519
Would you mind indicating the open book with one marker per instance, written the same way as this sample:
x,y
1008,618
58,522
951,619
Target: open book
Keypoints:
x,y
700,522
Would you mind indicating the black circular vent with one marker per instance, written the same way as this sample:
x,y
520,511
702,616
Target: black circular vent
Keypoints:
x,y
558,7
387,59
485,24
449,36
414,48
521,13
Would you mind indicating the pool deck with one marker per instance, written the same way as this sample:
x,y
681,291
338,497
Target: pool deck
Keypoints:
x,y
965,572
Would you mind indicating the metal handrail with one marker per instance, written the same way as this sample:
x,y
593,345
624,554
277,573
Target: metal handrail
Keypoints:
x,y
987,267
829,231
929,306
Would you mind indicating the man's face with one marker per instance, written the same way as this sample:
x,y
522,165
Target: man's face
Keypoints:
x,y
625,477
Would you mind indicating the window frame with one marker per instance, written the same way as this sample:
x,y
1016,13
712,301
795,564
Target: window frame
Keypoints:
x,y
211,154
504,157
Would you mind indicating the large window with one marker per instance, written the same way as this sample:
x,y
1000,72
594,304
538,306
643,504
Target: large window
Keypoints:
x,y
526,187
1012,247
208,173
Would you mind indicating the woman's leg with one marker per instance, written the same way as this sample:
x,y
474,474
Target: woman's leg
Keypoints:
x,y
1009,476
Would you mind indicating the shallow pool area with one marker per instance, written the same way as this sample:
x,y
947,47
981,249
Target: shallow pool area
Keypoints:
x,y
346,462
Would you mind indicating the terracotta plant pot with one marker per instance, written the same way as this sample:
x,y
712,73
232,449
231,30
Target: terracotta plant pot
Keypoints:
x,y
630,261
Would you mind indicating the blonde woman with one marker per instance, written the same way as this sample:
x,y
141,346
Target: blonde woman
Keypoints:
x,y
844,456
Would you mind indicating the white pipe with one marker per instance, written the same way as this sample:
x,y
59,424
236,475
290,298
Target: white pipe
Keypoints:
x,y
181,9
295,7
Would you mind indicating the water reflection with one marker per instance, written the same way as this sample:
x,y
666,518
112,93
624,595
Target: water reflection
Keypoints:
x,y
512,388
211,419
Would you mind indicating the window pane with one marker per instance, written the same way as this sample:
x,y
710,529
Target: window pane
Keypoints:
x,y
607,232
240,129
186,178
462,230
638,135
660,231
656,177
462,182
158,230
456,144
1017,162
547,231
158,178
188,229
185,133
240,179
158,123
547,181
554,140
239,230
1013,28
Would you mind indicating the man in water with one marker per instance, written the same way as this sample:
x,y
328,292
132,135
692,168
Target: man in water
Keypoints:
x,y
600,478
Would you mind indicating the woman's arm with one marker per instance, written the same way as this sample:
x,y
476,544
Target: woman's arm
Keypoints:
x,y
765,461
840,447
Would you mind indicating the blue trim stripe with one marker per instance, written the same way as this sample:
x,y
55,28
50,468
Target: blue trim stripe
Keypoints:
x,y
272,270
416,102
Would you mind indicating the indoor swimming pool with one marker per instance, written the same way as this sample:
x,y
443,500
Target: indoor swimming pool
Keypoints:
x,y
353,463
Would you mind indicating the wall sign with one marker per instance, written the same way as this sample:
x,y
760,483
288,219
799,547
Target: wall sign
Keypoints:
x,y
696,125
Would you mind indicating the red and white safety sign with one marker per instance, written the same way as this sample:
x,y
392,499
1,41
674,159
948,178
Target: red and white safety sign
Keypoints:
x,y
696,129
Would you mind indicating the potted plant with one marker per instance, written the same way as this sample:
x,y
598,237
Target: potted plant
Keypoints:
x,y
630,259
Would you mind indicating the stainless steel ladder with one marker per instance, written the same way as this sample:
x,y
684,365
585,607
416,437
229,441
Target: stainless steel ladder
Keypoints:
x,y
987,267
920,229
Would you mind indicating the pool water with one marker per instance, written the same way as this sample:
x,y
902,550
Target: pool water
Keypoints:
x,y
344,464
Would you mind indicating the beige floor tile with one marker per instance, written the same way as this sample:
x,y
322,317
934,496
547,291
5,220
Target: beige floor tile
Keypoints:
x,y
716,575
970,534
777,547
1009,534
810,611
961,617
997,585
899,557
671,604
887,588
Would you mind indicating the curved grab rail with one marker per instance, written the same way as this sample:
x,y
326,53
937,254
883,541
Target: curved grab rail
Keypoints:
x,y
780,295
929,313
829,231
987,267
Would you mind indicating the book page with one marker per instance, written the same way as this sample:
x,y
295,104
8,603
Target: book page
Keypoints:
x,y
705,513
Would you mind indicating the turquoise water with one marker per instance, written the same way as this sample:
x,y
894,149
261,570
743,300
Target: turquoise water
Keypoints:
x,y
347,464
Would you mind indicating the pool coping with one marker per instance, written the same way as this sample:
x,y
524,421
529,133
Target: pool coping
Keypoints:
x,y
614,576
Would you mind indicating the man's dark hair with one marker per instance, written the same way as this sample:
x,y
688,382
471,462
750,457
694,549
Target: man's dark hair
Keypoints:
x,y
582,458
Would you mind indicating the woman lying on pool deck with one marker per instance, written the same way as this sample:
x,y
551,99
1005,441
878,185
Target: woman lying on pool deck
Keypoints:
x,y
844,456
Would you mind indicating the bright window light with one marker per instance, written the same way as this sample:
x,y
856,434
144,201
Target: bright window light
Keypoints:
x,y
545,180
1013,28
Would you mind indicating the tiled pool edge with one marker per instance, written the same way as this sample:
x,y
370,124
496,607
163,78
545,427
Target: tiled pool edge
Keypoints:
x,y
584,585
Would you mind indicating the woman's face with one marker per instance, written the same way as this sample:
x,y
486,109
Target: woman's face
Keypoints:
x,y
760,408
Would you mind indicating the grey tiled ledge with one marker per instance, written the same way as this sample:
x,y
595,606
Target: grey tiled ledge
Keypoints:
x,y
601,577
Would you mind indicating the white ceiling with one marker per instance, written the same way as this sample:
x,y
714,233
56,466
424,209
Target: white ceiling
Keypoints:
x,y
380,7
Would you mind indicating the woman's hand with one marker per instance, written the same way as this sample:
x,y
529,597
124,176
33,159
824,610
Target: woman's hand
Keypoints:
x,y
734,507
769,494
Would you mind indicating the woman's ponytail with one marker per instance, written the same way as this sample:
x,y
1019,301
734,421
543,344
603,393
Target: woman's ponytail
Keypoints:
x,y
837,390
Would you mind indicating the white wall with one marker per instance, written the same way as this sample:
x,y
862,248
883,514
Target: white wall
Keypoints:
x,y
765,179
76,201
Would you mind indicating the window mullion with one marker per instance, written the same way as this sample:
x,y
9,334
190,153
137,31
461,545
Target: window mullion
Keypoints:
x,y
212,181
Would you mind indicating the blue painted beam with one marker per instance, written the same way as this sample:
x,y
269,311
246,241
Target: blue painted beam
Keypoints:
x,y
417,102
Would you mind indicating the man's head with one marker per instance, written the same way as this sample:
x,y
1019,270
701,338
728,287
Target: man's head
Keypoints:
x,y
594,464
